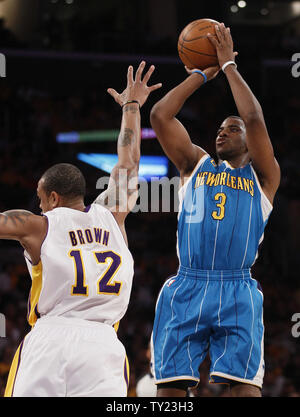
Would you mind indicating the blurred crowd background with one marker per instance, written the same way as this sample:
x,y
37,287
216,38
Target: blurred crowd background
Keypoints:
x,y
61,56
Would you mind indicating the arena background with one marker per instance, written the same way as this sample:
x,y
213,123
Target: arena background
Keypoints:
x,y
61,56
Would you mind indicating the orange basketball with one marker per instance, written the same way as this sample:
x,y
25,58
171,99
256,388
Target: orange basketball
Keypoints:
x,y
194,48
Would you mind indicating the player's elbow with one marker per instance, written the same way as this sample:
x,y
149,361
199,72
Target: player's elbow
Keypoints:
x,y
129,160
134,161
253,117
157,115
154,114
129,166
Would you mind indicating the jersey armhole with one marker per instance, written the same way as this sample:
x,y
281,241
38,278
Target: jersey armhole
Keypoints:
x,y
47,233
267,206
26,254
188,178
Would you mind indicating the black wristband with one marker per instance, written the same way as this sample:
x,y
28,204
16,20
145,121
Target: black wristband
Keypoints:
x,y
131,101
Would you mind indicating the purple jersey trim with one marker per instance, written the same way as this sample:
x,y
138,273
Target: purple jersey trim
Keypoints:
x,y
126,373
47,230
37,312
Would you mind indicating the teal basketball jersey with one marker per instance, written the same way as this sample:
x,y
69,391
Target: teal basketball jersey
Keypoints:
x,y
222,216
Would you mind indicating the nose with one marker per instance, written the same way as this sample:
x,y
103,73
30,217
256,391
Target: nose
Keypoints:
x,y
223,133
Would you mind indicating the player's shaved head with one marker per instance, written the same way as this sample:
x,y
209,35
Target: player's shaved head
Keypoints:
x,y
235,117
65,179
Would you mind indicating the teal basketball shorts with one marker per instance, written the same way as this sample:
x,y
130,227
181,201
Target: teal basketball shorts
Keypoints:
x,y
215,312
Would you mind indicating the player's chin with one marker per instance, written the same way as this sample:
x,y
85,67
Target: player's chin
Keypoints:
x,y
222,154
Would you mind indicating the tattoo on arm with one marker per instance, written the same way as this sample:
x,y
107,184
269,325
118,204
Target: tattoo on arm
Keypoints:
x,y
126,137
131,109
16,217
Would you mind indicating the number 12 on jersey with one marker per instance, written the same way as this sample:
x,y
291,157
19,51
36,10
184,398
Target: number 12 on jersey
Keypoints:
x,y
104,283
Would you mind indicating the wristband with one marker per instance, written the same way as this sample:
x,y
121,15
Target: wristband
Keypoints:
x,y
228,63
201,73
131,101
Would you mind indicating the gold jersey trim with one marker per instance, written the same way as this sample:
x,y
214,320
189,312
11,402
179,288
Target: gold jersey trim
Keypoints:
x,y
36,288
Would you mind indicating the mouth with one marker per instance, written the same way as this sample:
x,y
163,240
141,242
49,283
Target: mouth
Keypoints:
x,y
220,141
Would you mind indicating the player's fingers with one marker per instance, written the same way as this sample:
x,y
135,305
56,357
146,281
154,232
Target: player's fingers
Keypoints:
x,y
219,33
227,35
130,75
113,93
223,30
188,70
139,71
155,87
213,39
148,74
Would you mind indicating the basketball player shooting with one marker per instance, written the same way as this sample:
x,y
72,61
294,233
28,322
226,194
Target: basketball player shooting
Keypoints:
x,y
213,304
81,271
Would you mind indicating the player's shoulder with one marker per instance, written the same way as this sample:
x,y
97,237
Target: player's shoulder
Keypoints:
x,y
63,215
202,160
205,163
61,211
98,209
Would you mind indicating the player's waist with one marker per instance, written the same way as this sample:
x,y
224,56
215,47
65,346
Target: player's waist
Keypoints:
x,y
212,275
69,321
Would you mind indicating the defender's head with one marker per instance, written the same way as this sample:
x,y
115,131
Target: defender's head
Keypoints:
x,y
62,185
231,139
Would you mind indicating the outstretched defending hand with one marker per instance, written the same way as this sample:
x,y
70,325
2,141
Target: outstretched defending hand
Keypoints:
x,y
223,44
137,88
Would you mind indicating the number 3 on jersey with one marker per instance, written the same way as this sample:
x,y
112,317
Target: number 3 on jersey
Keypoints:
x,y
104,285
219,214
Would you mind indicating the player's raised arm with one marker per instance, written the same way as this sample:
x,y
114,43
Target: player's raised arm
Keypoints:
x,y
14,224
257,138
170,132
25,227
122,192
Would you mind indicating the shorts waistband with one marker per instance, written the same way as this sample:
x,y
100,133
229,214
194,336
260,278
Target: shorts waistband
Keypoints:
x,y
69,321
215,275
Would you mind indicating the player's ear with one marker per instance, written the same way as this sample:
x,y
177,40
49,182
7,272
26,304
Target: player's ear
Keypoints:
x,y
54,199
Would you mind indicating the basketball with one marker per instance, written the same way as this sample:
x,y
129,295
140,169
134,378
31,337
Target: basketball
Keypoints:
x,y
194,48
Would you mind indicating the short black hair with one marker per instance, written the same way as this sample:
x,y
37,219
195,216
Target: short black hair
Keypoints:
x,y
65,179
234,117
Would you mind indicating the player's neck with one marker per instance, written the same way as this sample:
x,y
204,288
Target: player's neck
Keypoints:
x,y
77,204
239,161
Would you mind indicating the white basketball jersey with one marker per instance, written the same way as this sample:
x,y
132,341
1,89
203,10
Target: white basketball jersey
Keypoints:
x,y
85,270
